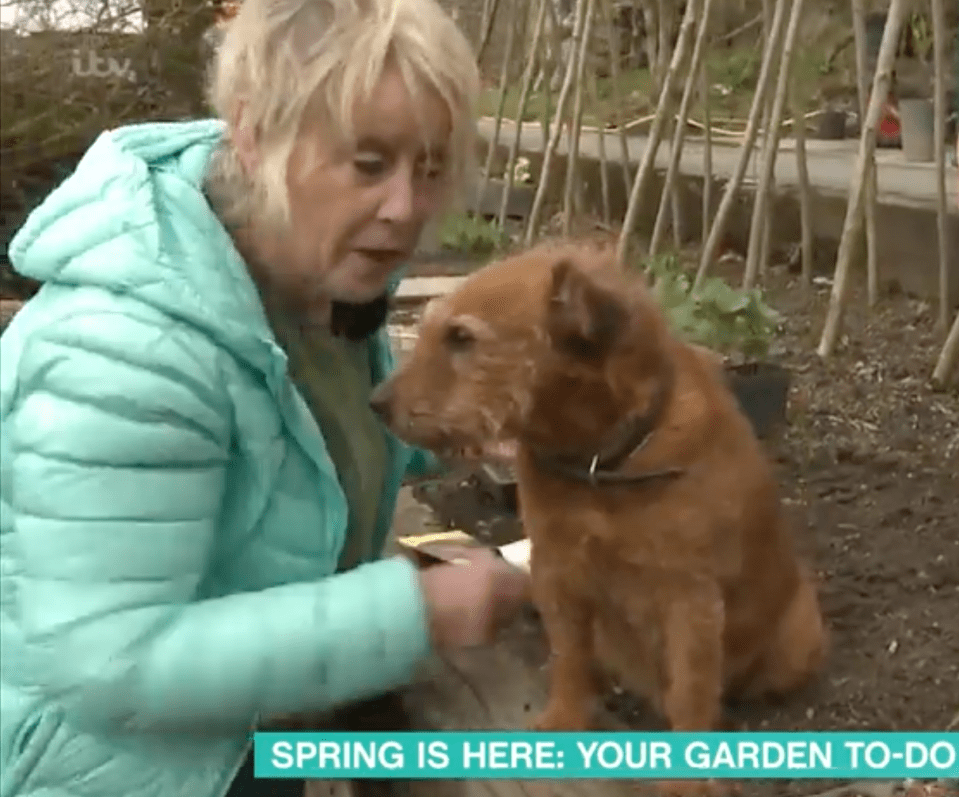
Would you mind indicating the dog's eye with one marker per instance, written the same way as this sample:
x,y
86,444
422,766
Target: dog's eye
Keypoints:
x,y
459,338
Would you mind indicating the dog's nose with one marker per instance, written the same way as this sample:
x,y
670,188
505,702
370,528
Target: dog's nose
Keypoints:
x,y
381,402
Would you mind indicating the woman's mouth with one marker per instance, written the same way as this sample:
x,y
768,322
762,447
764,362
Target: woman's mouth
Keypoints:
x,y
390,258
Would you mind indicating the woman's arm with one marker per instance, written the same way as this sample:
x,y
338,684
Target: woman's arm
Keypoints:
x,y
119,443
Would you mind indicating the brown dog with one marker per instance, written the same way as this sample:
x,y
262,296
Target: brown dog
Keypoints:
x,y
660,553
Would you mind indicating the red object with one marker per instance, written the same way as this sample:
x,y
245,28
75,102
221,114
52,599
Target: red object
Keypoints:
x,y
889,122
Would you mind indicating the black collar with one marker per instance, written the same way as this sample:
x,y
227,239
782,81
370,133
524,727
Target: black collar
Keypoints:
x,y
603,466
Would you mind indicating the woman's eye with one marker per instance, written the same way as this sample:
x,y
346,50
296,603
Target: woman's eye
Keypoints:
x,y
459,338
370,165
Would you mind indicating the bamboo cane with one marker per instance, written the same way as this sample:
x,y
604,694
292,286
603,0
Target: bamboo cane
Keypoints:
x,y
679,135
859,38
656,131
853,225
605,5
501,105
487,30
948,357
540,196
718,229
759,227
939,128
707,152
770,137
603,160
521,110
572,155
805,198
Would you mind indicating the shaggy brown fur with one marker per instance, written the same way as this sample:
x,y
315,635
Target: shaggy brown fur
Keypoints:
x,y
685,589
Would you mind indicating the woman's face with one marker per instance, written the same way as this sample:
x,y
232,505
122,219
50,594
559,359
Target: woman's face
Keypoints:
x,y
357,209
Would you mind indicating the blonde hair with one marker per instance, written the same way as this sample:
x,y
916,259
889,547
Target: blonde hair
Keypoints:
x,y
279,57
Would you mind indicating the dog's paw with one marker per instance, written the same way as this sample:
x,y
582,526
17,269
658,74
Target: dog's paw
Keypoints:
x,y
698,788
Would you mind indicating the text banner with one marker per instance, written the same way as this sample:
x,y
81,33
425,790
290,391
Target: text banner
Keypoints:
x,y
564,756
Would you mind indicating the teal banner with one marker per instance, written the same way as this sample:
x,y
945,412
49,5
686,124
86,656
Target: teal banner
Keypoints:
x,y
477,755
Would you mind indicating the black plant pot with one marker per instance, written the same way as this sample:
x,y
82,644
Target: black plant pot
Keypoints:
x,y
832,125
762,389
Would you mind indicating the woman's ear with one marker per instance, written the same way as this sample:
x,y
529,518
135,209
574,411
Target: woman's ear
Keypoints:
x,y
244,138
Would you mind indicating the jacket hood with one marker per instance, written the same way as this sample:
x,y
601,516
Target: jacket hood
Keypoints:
x,y
132,218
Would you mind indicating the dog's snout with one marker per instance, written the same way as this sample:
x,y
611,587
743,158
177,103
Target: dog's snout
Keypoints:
x,y
381,401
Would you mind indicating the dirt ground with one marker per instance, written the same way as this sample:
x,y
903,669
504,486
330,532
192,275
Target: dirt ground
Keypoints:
x,y
869,465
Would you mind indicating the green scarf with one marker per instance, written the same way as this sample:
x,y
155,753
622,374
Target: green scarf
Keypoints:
x,y
334,376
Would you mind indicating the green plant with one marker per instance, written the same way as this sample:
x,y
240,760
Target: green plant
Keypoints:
x,y
717,316
471,234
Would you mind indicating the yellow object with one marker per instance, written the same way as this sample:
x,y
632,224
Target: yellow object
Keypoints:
x,y
454,535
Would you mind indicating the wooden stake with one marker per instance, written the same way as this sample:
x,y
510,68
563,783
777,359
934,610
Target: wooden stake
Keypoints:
x,y
656,131
679,134
707,152
521,110
853,226
859,37
603,160
540,197
939,128
614,78
760,224
805,197
576,124
487,30
948,357
749,139
501,105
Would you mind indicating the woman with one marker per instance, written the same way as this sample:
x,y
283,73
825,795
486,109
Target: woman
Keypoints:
x,y
195,491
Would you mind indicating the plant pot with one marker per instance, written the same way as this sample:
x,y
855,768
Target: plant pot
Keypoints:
x,y
832,125
917,129
762,390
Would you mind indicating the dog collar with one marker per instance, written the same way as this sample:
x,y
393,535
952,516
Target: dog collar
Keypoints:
x,y
628,438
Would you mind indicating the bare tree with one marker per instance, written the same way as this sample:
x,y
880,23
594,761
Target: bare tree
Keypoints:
x,y
749,139
853,226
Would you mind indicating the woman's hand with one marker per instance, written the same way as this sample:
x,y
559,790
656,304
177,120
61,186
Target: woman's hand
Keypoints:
x,y
467,603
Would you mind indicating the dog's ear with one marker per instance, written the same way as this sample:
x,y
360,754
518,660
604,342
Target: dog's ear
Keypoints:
x,y
584,318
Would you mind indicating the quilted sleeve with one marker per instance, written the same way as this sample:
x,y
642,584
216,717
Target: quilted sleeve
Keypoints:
x,y
119,440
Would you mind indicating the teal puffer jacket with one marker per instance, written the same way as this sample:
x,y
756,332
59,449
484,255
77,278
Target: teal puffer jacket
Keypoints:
x,y
171,520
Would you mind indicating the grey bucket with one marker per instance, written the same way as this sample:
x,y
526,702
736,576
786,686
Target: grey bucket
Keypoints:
x,y
918,139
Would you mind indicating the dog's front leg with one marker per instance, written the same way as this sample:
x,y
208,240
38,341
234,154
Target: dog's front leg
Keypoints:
x,y
694,616
568,621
